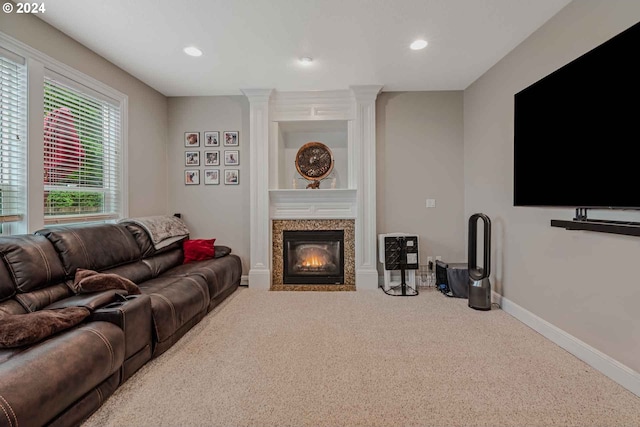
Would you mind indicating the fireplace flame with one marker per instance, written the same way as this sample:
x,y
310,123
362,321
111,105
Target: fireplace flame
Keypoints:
x,y
314,261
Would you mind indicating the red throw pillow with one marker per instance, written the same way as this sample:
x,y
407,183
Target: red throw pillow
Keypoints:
x,y
198,250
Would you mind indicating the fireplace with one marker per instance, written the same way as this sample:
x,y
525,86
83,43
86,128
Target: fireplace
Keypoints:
x,y
313,257
340,247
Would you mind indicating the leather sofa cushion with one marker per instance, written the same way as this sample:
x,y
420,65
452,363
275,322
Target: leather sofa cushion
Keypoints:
x,y
8,353
37,300
158,264
91,301
43,380
76,414
93,247
19,330
219,273
32,262
7,287
11,307
174,302
137,272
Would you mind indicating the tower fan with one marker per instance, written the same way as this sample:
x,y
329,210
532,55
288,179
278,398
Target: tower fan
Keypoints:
x,y
479,285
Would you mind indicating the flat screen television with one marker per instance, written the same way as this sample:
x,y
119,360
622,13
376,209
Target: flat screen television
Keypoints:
x,y
577,131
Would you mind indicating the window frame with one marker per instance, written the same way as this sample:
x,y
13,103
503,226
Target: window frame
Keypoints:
x,y
110,179
38,65
16,156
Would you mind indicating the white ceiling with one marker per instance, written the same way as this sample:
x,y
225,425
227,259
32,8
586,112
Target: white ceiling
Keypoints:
x,y
256,43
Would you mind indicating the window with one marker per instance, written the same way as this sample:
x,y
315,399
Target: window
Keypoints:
x,y
13,140
63,143
82,153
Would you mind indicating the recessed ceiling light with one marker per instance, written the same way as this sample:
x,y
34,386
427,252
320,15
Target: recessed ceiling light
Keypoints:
x,y
306,60
418,44
192,51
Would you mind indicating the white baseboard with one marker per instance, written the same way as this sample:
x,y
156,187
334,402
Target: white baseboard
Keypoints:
x,y
244,280
622,374
259,279
366,279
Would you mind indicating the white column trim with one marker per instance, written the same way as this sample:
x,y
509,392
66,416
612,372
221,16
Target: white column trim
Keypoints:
x,y
260,262
364,149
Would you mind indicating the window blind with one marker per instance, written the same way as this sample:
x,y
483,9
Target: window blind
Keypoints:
x,y
82,154
13,138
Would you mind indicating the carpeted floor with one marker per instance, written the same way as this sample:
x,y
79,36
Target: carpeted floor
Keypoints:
x,y
364,359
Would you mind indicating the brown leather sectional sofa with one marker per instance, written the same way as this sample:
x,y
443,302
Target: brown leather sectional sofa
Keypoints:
x,y
62,380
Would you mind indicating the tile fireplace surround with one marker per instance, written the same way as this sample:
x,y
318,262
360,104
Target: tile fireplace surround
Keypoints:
x,y
348,225
275,204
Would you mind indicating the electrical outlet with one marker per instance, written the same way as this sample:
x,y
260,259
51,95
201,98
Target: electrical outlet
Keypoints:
x,y
438,258
430,262
431,203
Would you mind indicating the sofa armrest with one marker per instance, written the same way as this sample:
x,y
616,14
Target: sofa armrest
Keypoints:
x,y
45,379
133,315
91,301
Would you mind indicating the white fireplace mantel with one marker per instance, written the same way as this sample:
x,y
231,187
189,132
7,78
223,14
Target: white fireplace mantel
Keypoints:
x,y
269,110
313,204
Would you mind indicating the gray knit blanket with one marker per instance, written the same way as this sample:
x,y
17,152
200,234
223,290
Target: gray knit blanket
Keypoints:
x,y
162,229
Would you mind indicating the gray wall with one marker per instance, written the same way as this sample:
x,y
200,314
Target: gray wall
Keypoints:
x,y
585,283
211,211
147,108
419,154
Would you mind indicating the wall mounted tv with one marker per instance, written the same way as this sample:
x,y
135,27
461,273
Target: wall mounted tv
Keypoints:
x,y
577,130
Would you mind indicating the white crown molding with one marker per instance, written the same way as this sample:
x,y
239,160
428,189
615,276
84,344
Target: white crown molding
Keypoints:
x,y
321,105
366,93
257,95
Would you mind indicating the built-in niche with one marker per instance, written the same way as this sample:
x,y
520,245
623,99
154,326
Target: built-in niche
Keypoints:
x,y
294,134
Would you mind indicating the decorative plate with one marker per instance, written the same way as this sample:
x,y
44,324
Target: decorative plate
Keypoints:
x,y
314,161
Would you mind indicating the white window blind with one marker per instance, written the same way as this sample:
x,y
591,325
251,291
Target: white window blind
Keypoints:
x,y
82,153
13,139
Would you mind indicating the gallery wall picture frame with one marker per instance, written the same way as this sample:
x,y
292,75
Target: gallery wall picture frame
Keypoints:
x,y
231,157
192,158
231,176
231,138
192,177
192,139
211,176
211,138
212,158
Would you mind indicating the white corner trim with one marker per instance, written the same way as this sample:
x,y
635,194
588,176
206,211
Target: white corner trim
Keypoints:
x,y
622,374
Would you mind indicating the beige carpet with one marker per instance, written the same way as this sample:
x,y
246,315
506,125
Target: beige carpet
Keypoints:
x,y
364,359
